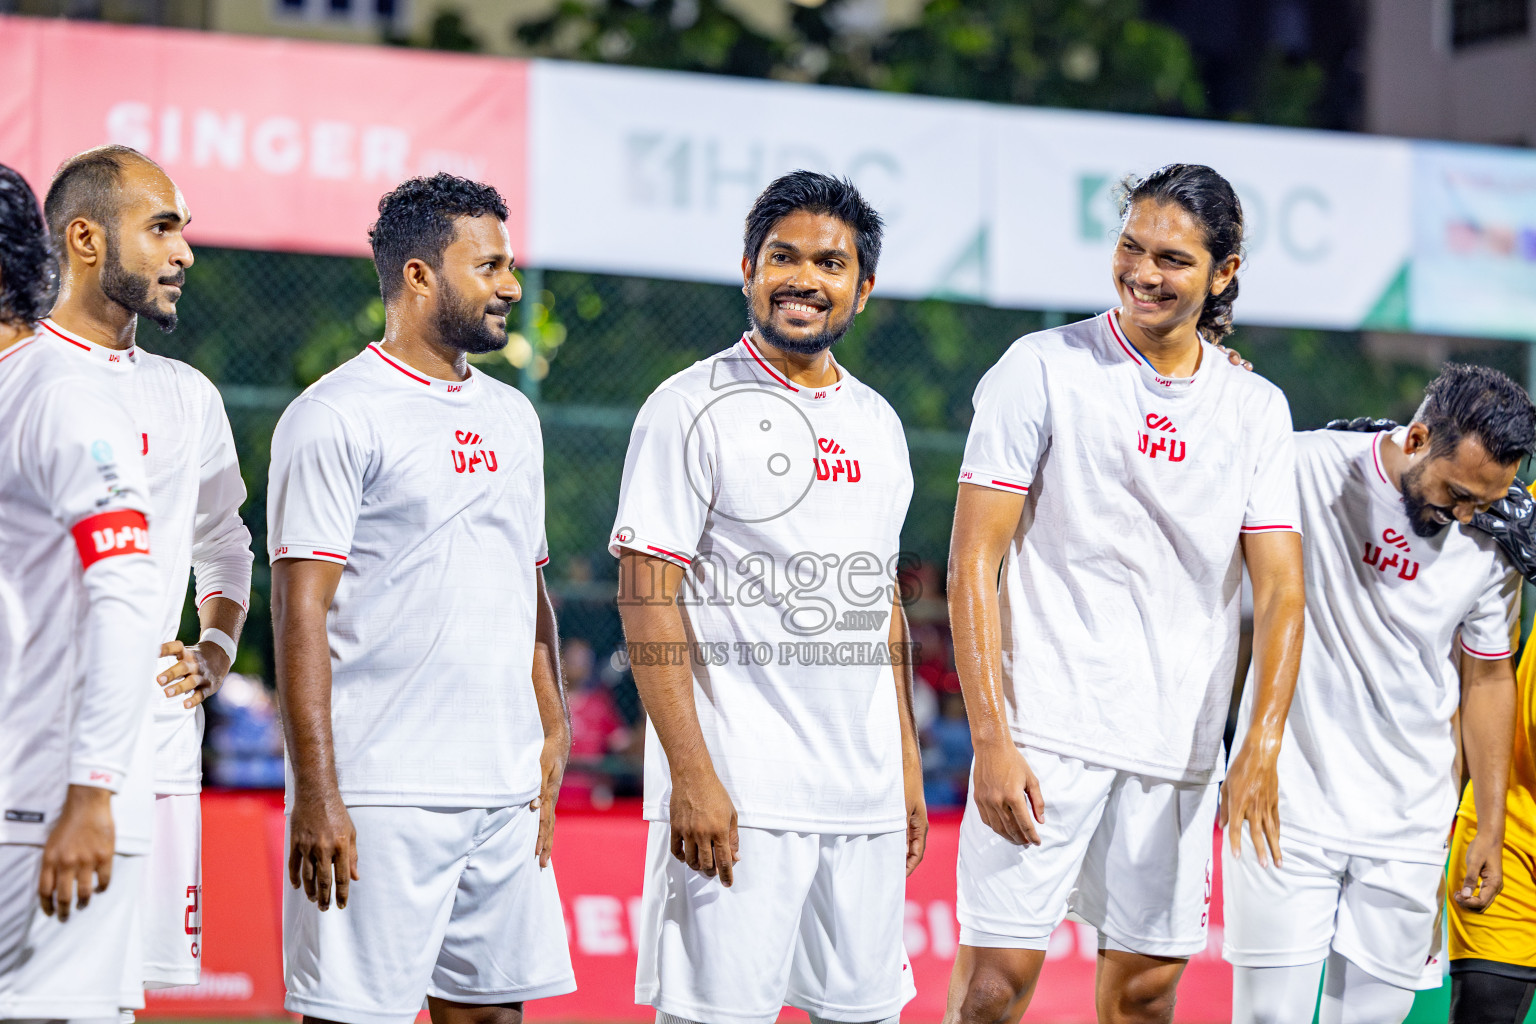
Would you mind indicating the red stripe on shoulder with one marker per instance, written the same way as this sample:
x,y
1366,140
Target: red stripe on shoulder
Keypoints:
x,y
120,532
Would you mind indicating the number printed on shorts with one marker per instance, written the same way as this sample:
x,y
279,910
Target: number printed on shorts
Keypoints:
x,y
194,916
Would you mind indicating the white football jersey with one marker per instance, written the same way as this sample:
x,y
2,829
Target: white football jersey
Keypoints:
x,y
431,494
1121,590
77,587
195,486
785,505
1365,768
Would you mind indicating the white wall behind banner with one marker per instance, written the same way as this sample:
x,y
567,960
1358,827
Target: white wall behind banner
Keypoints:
x,y
651,173
1327,214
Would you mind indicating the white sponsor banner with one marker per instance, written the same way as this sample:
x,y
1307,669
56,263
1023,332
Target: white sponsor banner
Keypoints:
x,y
652,172
1328,226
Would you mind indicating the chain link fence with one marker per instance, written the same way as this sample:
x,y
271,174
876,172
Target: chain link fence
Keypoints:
x,y
591,348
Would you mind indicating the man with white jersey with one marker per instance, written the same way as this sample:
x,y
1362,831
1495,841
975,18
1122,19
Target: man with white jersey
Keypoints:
x,y
117,222
416,648
758,530
76,591
1395,574
1122,472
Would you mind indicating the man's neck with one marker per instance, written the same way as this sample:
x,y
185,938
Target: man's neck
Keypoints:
x,y
96,318
1394,461
813,371
10,334
1176,353
409,344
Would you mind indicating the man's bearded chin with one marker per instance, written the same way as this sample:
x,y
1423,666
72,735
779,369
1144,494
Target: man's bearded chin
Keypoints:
x,y
131,291
813,345
462,325
1420,512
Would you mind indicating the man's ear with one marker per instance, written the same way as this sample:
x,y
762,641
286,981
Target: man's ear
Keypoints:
x,y
420,280
86,241
1417,439
865,287
746,274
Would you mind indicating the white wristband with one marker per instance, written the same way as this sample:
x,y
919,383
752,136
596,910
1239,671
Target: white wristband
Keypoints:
x,y
220,639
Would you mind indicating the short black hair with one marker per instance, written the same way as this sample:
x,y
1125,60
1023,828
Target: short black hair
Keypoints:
x,y
816,193
28,280
1476,401
89,185
416,222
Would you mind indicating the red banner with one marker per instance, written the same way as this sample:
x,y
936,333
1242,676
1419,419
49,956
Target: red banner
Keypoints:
x,y
599,862
276,144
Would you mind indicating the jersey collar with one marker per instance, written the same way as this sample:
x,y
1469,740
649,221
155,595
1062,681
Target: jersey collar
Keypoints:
x,y
1156,382
446,388
111,358
766,370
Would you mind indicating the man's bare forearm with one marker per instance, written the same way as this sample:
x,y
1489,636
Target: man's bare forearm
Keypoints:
x,y
1487,718
976,625
299,606
548,686
902,655
222,614
654,622
1279,617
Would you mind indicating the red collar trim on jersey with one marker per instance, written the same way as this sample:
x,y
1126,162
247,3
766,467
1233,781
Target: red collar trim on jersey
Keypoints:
x,y
745,340
1125,344
1376,458
24,343
445,386
111,356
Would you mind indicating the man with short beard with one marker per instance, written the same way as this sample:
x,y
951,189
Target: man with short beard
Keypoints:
x,y
117,223
1396,580
758,528
416,648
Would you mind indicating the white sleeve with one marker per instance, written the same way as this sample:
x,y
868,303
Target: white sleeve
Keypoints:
x,y
1274,503
88,465
221,544
1487,630
315,485
661,510
1012,426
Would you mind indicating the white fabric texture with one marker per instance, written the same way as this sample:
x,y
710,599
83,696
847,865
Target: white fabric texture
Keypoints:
x,y
811,920
785,505
195,493
1121,589
450,903
76,637
171,915
1352,995
1381,914
1275,995
431,494
1366,764
1127,854
72,969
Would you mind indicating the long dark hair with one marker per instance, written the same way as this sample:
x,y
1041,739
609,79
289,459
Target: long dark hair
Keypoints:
x,y
1209,198
27,277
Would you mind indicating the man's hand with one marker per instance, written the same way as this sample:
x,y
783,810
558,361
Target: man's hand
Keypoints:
x,y
552,760
1234,357
1251,793
199,671
77,858
917,817
322,848
1484,878
1007,794
704,825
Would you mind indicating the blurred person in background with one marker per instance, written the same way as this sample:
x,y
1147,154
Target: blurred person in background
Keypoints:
x,y
1395,574
78,591
783,791
1120,472
948,754
117,223
417,654
598,730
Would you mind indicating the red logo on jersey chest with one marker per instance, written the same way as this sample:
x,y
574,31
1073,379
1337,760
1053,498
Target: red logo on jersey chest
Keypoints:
x,y
470,458
839,471
1407,569
1152,447
145,449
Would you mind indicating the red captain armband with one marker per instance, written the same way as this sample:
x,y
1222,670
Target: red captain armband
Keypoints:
x,y
123,532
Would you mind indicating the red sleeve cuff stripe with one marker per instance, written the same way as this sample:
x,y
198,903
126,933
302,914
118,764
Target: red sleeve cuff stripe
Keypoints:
x,y
541,563
329,554
1487,655
1005,483
122,532
208,596
1275,528
670,554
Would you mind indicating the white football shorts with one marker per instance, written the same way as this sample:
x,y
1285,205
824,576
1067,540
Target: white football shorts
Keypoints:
x,y
811,920
1382,915
449,902
73,969
173,893
1128,854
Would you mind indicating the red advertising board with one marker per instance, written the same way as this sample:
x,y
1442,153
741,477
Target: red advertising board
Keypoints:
x,y
599,859
276,144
